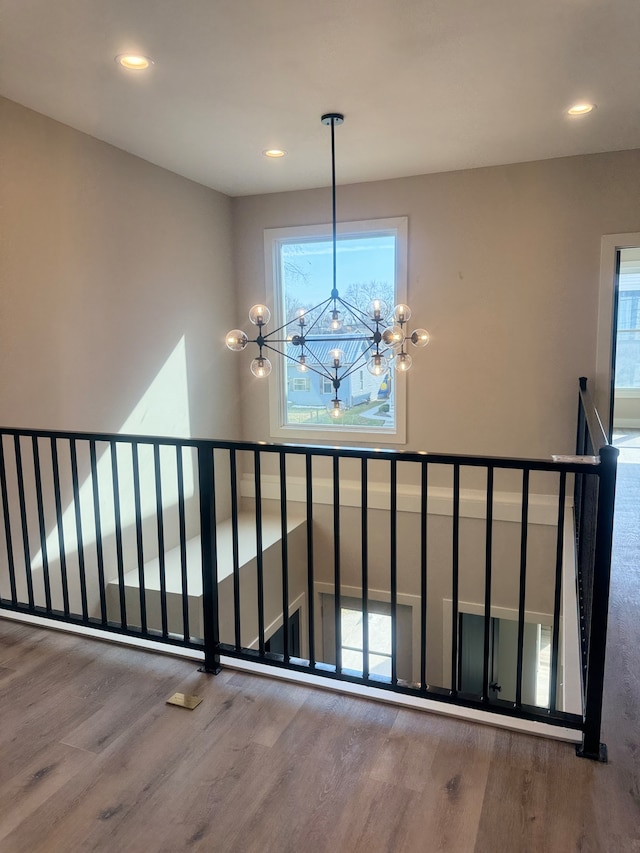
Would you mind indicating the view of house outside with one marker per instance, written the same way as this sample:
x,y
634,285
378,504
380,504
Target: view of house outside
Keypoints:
x,y
366,269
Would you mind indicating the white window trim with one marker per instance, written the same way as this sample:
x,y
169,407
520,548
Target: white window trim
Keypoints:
x,y
350,434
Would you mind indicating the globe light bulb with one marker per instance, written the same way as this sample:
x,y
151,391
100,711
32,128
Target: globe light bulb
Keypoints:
x,y
393,336
236,340
377,365
403,362
335,323
300,313
337,357
336,408
401,313
377,309
302,366
420,338
259,315
261,367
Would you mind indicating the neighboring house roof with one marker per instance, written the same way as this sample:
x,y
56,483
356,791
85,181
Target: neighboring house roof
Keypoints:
x,y
322,350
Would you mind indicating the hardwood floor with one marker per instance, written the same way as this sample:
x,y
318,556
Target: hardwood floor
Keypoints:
x,y
94,760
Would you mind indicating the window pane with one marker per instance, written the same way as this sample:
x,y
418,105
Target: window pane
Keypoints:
x,y
627,374
352,628
352,660
379,665
366,268
380,633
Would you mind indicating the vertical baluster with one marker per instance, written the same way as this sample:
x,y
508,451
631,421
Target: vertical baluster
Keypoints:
x,y
23,519
209,548
61,543
487,586
41,523
455,579
580,443
142,592
553,681
594,677
182,522
524,530
98,523
259,555
310,567
336,563
161,555
235,548
424,489
393,522
7,526
118,523
285,558
365,566
78,516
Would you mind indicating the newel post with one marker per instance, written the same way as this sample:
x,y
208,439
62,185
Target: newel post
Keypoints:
x,y
211,625
594,687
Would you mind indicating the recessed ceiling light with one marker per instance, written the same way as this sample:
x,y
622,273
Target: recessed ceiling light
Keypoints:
x,y
581,109
274,153
132,62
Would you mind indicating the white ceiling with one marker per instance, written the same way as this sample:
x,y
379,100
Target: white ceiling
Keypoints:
x,y
426,85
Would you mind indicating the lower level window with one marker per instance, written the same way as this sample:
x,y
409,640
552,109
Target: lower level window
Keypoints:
x,y
351,622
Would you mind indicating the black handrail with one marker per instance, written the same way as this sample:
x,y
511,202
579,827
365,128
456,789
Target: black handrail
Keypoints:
x,y
594,424
594,502
387,454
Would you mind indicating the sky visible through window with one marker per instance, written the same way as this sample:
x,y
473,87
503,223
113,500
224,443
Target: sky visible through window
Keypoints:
x,y
366,269
308,265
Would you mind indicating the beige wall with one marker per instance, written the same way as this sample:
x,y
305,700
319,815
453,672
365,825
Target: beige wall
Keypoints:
x,y
106,263
503,271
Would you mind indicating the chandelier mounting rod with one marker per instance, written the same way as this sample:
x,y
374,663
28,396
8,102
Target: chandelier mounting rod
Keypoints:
x,y
333,120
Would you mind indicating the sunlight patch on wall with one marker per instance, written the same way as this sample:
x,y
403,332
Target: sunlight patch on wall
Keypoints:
x,y
163,410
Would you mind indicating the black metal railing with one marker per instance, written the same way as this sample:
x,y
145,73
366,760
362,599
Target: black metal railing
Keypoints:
x,y
260,552
594,501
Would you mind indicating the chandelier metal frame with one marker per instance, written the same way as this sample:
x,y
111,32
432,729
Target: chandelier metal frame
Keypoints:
x,y
383,333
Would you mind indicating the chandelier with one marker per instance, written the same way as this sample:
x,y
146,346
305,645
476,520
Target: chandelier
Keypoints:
x,y
335,338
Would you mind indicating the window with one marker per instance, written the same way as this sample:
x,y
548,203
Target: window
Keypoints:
x,y
627,374
379,641
371,262
300,384
380,620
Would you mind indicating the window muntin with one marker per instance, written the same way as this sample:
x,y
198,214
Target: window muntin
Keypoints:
x,y
371,261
